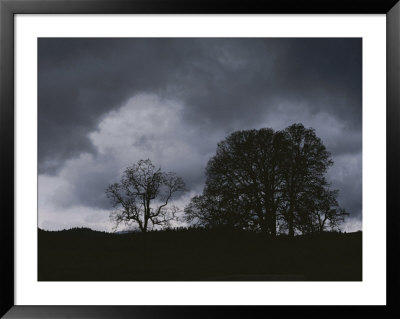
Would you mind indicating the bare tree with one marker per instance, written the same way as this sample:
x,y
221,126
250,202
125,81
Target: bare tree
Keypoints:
x,y
143,196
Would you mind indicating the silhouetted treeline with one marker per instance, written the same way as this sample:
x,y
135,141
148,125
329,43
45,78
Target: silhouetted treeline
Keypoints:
x,y
192,254
272,181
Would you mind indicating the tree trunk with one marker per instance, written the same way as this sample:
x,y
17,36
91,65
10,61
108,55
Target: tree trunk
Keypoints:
x,y
291,222
145,222
146,215
271,220
273,224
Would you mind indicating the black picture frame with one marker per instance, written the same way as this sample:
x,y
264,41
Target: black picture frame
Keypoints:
x,y
8,8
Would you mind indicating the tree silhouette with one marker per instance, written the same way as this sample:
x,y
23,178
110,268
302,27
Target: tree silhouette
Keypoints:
x,y
261,180
217,211
319,211
243,174
143,195
304,164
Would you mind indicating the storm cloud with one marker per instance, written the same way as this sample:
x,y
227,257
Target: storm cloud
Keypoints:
x,y
106,103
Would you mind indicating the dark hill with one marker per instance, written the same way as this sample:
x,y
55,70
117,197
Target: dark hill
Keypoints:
x,y
197,254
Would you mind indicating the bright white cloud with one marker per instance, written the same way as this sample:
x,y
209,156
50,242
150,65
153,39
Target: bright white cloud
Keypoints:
x,y
148,127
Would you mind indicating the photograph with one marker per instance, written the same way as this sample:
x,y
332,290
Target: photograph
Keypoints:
x,y
200,159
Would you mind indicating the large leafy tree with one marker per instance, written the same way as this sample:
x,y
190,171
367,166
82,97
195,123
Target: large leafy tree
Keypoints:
x,y
261,179
244,176
304,165
143,196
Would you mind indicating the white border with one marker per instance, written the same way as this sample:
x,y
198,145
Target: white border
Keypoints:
x,y
372,290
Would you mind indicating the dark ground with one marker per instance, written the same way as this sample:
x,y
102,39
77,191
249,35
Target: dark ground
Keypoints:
x,y
192,255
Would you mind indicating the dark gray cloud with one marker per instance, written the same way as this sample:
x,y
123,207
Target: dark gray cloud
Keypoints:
x,y
207,89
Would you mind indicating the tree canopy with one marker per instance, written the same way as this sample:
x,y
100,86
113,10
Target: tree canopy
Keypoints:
x,y
268,181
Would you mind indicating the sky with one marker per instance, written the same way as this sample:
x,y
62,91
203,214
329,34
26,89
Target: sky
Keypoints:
x,y
106,103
